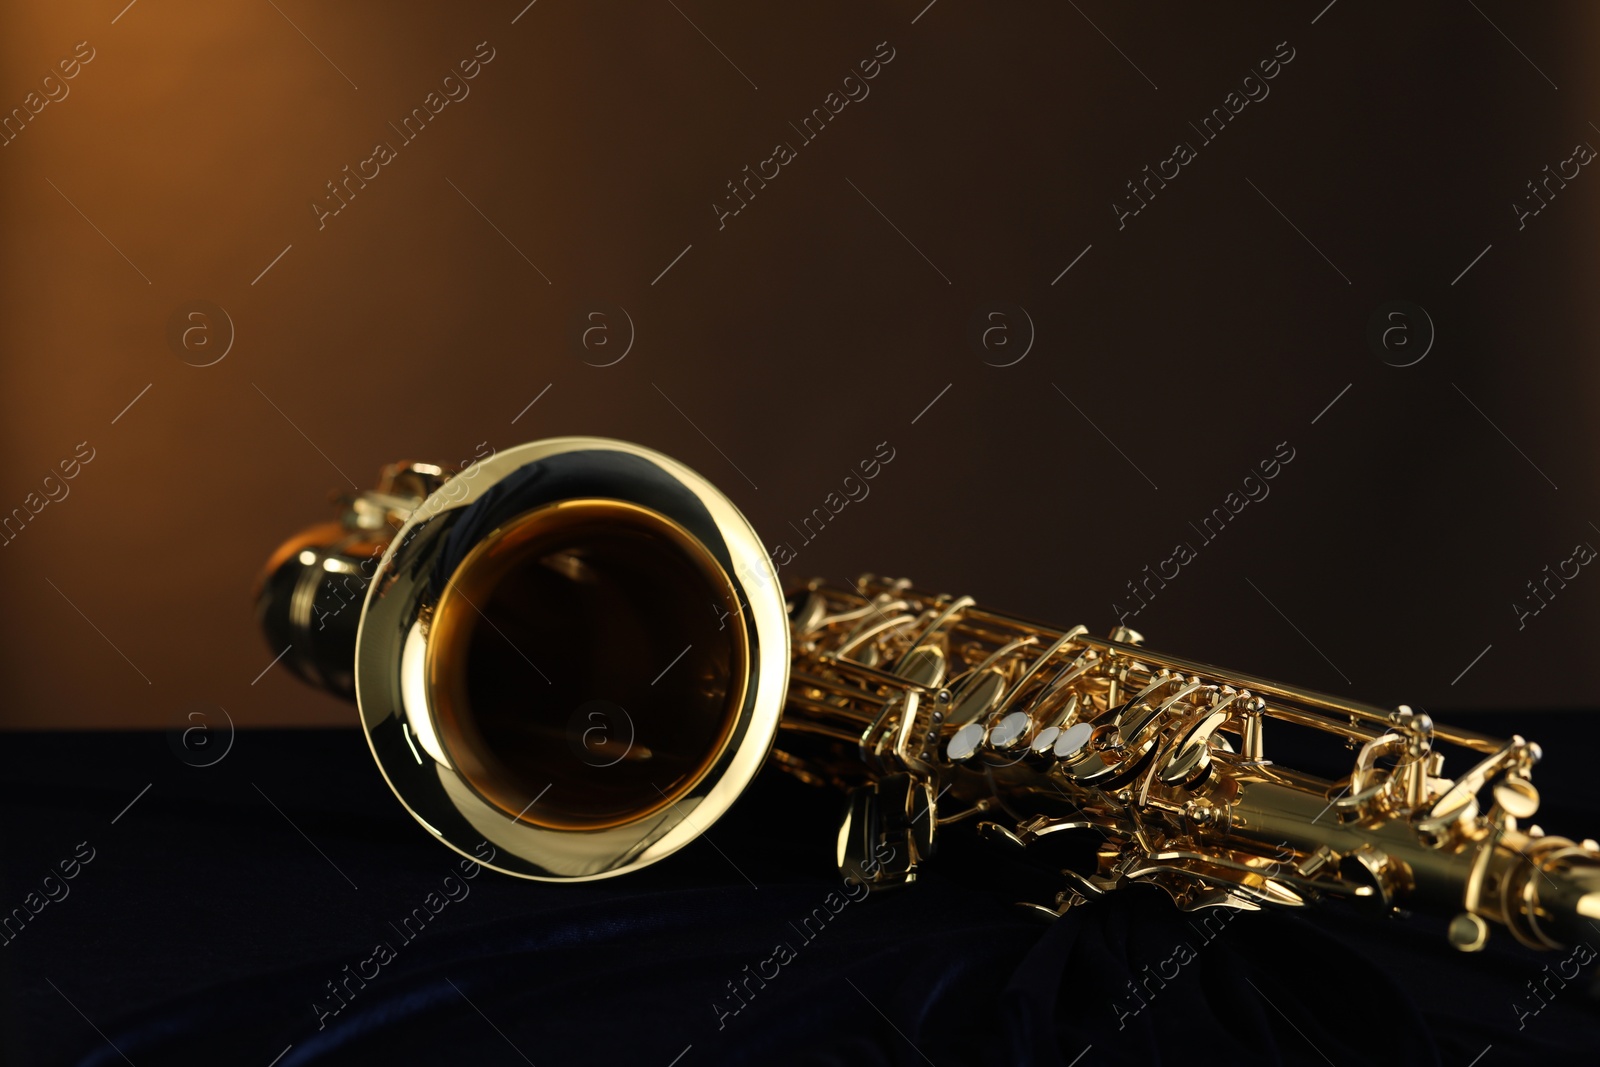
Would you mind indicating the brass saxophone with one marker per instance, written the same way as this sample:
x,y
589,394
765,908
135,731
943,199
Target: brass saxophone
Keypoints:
x,y
578,650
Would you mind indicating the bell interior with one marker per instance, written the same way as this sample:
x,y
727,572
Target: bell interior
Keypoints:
x,y
585,664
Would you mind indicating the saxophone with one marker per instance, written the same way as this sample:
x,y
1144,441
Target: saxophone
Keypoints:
x,y
578,650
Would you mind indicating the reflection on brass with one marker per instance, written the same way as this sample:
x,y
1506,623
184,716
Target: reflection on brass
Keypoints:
x,y
578,650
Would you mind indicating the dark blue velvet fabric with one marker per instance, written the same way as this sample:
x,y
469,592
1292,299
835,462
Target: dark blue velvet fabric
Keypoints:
x,y
209,923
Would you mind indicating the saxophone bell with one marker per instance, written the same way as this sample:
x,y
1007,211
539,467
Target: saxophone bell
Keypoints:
x,y
576,650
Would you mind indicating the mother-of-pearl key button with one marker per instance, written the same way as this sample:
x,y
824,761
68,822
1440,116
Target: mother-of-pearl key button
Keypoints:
x,y
1046,739
965,742
1008,729
1073,739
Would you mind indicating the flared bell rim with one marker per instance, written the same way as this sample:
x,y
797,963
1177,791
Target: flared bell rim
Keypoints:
x,y
391,647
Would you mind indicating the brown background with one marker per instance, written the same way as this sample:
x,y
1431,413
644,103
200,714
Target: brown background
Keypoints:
x,y
809,329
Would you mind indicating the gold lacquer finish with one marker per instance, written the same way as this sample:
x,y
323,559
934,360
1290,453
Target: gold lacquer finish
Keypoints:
x,y
577,650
